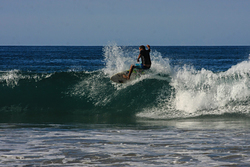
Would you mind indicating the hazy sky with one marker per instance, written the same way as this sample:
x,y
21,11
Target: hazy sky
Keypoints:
x,y
125,22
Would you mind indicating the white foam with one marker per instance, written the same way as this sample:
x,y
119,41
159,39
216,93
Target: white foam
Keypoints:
x,y
11,78
202,92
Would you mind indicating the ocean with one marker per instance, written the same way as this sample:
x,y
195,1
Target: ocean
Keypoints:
x,y
58,106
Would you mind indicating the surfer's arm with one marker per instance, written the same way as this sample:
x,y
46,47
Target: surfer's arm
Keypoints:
x,y
139,58
148,48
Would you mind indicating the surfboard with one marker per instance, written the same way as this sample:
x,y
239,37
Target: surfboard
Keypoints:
x,y
118,78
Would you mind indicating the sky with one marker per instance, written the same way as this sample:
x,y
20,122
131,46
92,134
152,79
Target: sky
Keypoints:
x,y
125,22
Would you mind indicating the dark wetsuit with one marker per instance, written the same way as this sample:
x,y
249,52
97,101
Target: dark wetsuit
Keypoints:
x,y
145,58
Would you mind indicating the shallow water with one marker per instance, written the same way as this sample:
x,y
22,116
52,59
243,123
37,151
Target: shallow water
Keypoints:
x,y
189,142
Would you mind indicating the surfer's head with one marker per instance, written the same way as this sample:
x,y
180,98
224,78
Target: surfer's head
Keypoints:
x,y
142,47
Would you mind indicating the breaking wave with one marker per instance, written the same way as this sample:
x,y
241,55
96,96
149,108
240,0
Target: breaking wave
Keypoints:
x,y
165,92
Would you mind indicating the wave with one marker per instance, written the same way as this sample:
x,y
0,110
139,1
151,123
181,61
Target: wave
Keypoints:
x,y
196,93
70,96
164,93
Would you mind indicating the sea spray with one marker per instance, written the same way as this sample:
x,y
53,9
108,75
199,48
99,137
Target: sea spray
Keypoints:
x,y
117,59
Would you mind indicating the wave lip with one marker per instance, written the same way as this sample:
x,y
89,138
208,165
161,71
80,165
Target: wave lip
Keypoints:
x,y
13,77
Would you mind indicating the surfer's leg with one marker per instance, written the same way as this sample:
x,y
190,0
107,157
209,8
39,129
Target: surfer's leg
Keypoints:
x,y
130,72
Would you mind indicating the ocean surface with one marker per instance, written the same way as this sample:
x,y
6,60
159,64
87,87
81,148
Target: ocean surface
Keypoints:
x,y
58,106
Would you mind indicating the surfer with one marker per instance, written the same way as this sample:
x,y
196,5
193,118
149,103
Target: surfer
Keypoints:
x,y
145,58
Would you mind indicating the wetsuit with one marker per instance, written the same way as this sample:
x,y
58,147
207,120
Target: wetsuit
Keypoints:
x,y
145,57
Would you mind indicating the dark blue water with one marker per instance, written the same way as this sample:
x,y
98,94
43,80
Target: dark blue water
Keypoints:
x,y
214,58
47,59
50,59
59,107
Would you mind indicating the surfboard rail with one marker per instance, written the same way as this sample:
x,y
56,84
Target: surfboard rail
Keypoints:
x,y
118,77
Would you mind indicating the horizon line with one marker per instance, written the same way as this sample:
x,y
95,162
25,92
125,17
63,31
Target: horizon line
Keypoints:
x,y
123,45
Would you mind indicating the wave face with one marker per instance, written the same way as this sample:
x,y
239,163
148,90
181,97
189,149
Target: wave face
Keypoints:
x,y
167,91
